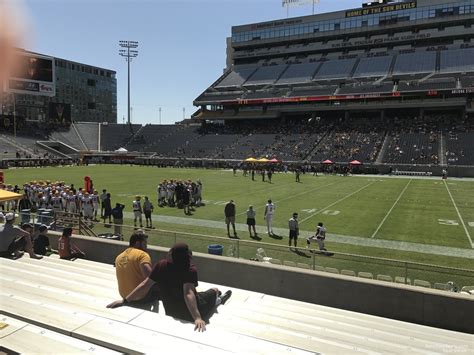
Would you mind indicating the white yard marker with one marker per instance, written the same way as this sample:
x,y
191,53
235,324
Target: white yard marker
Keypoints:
x,y
391,209
459,214
293,196
335,203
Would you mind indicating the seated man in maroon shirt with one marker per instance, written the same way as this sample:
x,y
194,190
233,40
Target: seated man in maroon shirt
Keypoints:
x,y
177,279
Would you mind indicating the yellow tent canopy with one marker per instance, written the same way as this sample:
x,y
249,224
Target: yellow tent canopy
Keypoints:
x,y
8,196
263,160
250,160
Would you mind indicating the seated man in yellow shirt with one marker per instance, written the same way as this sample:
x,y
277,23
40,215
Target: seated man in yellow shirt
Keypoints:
x,y
132,267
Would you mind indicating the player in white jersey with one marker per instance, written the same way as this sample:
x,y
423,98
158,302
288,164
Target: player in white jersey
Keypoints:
x,y
161,194
87,208
71,205
79,196
319,237
95,204
137,211
56,203
64,195
268,216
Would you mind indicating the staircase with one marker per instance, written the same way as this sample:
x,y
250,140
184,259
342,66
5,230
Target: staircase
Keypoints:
x,y
442,150
383,149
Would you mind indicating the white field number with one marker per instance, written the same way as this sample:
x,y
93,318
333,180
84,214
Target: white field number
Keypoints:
x,y
307,210
471,224
448,222
331,213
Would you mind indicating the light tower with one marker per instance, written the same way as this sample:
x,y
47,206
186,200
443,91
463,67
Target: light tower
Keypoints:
x,y
129,52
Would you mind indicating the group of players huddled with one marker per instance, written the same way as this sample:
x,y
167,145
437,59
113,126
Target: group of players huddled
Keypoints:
x,y
181,194
61,197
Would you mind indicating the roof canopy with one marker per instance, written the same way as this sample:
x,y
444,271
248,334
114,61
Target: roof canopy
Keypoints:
x,y
9,196
327,161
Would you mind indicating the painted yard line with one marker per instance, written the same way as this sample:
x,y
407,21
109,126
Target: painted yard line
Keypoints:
x,y
459,214
336,238
391,209
335,203
293,196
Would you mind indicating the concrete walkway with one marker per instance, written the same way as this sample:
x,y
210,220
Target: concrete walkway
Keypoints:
x,y
343,239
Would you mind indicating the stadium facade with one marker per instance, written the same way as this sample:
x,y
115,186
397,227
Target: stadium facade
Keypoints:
x,y
416,55
79,92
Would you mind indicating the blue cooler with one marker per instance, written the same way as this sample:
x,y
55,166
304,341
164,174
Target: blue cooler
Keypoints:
x,y
215,249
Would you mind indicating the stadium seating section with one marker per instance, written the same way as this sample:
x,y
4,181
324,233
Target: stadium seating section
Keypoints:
x,y
397,70
46,308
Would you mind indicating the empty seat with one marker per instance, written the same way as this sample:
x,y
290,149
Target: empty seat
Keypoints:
x,y
289,263
385,278
275,261
421,283
319,268
348,272
365,275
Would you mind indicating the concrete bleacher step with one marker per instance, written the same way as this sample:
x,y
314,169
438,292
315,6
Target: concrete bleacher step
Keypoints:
x,y
91,265
23,338
234,342
74,302
70,298
73,283
131,339
367,321
67,271
362,337
70,266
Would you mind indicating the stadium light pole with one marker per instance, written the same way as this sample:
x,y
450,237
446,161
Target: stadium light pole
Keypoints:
x,y
129,51
159,110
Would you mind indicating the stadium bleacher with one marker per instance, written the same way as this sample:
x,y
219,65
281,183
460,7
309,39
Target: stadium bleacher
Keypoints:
x,y
416,63
373,67
115,136
266,75
236,77
45,304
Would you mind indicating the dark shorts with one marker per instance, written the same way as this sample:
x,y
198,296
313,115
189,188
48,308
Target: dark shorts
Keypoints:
x,y
147,214
251,221
16,245
206,302
293,234
150,302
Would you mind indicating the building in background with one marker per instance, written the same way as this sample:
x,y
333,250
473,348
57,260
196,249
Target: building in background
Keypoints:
x,y
384,56
77,92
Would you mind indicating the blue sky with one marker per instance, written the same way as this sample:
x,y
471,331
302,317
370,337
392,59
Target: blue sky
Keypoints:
x,y
182,43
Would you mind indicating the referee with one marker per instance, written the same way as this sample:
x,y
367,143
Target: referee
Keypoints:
x,y
294,229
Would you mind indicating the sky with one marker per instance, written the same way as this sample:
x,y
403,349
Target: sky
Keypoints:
x,y
182,43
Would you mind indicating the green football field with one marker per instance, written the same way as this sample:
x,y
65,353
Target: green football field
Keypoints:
x,y
419,220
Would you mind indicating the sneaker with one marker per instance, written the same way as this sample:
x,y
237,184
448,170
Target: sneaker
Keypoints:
x,y
226,297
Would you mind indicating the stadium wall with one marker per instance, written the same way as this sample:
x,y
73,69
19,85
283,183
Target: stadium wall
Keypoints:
x,y
401,302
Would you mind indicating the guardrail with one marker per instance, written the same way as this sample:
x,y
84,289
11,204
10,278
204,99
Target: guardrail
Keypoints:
x,y
400,271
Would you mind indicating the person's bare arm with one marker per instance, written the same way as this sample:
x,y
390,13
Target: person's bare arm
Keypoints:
x,y
137,294
191,303
145,268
